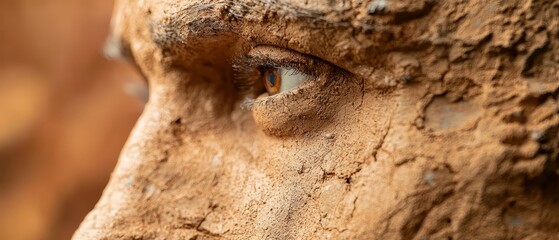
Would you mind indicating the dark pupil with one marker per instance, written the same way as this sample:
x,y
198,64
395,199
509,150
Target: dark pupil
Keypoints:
x,y
271,78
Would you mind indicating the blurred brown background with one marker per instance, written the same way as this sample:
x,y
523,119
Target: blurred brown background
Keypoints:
x,y
65,112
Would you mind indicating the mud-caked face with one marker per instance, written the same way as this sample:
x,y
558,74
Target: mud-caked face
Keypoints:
x,y
335,119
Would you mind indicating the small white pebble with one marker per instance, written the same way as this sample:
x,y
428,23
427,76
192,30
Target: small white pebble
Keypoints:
x,y
376,6
537,135
429,177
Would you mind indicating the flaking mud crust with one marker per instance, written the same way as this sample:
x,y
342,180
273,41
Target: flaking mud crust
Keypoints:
x,y
447,127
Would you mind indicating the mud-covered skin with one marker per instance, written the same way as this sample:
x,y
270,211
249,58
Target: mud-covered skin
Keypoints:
x,y
445,125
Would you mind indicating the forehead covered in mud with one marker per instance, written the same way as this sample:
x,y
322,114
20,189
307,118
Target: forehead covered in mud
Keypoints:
x,y
347,33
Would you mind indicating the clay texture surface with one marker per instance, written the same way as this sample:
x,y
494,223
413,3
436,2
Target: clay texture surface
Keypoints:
x,y
426,120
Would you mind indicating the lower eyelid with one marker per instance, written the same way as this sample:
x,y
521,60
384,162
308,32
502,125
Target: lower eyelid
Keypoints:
x,y
309,106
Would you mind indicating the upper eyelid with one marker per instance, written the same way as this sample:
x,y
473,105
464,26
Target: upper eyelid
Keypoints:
x,y
310,59
301,62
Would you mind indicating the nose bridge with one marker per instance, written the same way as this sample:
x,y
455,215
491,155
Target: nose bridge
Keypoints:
x,y
185,55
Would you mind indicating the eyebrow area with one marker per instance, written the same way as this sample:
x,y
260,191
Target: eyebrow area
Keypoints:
x,y
210,18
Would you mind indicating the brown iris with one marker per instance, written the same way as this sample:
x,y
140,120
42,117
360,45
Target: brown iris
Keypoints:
x,y
272,79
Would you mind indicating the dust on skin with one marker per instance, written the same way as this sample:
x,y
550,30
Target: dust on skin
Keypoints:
x,y
423,120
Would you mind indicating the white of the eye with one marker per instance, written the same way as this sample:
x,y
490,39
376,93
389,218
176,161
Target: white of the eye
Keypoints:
x,y
291,78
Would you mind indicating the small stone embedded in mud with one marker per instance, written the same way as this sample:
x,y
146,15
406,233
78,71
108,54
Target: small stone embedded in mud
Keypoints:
x,y
407,78
536,135
377,6
405,67
329,136
429,177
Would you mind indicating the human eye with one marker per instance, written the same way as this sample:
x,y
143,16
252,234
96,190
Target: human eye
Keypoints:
x,y
281,79
289,92
268,71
